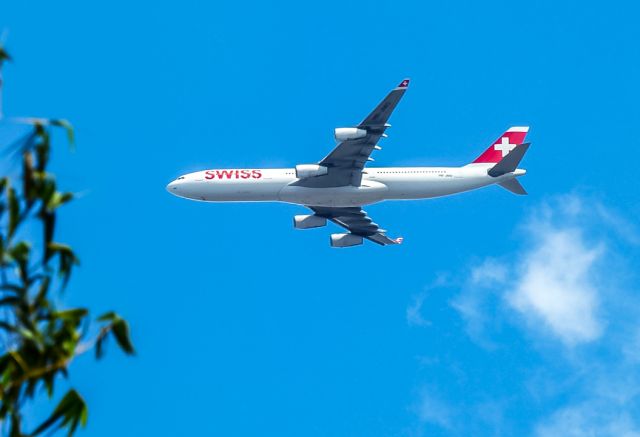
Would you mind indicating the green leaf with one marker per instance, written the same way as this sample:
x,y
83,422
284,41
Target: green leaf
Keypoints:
x,y
10,301
18,359
47,190
40,300
119,328
70,412
20,252
27,177
72,314
58,199
16,424
67,259
67,126
4,55
108,316
100,340
48,227
123,336
14,212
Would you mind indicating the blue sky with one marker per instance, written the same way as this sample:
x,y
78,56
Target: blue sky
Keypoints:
x,y
499,315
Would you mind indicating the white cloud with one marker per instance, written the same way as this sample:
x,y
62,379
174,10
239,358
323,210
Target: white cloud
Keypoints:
x,y
472,303
589,419
434,411
556,284
490,273
553,282
570,282
414,312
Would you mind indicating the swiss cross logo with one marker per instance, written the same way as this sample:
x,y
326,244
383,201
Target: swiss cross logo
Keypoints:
x,y
404,83
505,146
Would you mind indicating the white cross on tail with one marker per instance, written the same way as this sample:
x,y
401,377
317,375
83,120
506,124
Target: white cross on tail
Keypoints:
x,y
505,147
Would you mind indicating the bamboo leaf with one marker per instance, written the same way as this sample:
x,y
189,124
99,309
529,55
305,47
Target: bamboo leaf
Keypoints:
x,y
10,301
14,212
67,259
58,199
66,125
4,55
72,314
18,359
108,316
123,336
120,330
27,176
70,412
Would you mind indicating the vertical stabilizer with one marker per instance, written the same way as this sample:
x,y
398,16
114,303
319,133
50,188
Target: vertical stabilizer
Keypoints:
x,y
503,145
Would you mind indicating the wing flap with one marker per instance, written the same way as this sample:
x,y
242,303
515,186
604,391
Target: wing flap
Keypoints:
x,y
356,221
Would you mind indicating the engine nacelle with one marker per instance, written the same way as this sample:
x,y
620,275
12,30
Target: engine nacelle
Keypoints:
x,y
349,133
308,221
345,240
310,170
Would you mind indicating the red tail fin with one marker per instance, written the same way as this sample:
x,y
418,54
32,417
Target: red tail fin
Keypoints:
x,y
503,145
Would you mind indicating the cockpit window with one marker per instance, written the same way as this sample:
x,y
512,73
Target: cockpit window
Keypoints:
x,y
181,177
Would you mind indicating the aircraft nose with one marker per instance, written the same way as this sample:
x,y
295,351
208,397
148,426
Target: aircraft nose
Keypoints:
x,y
173,187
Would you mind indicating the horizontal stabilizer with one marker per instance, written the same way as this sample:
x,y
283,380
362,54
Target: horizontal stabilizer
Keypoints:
x,y
510,162
514,186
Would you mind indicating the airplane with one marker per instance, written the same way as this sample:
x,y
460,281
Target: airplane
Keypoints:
x,y
338,186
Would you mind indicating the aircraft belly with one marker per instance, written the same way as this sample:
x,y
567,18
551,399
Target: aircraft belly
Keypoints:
x,y
435,187
368,192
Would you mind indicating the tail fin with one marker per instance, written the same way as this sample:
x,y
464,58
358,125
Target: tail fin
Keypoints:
x,y
503,145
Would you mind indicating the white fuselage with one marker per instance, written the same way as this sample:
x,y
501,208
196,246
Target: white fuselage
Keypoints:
x,y
378,184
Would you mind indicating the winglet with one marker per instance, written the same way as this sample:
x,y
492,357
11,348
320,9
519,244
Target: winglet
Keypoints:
x,y
398,240
404,84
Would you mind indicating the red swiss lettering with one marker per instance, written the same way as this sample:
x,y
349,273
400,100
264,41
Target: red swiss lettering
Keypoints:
x,y
222,174
232,174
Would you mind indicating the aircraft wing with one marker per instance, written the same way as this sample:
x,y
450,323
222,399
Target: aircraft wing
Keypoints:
x,y
345,163
356,221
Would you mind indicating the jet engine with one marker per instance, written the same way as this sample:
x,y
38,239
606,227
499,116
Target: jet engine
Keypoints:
x,y
310,170
308,221
349,133
345,240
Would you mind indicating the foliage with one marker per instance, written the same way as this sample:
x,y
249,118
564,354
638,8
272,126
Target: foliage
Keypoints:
x,y
39,340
